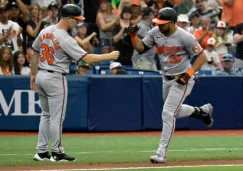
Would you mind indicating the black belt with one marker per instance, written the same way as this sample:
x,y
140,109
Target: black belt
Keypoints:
x,y
170,77
64,74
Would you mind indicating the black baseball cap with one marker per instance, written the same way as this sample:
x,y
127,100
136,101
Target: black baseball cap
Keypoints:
x,y
12,4
52,5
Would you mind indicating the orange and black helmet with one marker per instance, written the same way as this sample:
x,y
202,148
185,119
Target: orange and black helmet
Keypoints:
x,y
166,15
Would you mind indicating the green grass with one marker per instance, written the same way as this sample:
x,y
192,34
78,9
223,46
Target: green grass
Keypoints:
x,y
18,151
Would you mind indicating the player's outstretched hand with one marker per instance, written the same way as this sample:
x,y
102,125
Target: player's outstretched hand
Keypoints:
x,y
183,79
133,30
114,55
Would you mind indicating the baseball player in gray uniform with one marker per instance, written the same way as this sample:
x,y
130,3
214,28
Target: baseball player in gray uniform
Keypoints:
x,y
54,50
175,47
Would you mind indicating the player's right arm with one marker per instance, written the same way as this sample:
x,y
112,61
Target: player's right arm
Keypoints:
x,y
139,45
94,58
77,53
136,42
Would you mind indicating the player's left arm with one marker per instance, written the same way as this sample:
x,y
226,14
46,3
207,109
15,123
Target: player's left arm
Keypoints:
x,y
200,60
193,48
34,60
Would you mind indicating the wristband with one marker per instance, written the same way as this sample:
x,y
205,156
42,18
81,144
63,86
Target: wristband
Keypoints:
x,y
134,39
190,72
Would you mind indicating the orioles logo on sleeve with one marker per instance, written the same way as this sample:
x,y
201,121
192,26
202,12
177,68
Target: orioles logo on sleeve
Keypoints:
x,y
196,48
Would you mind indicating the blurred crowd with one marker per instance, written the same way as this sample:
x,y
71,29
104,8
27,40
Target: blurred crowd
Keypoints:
x,y
216,24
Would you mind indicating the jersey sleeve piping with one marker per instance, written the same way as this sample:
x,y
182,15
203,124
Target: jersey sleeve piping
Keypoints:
x,y
83,56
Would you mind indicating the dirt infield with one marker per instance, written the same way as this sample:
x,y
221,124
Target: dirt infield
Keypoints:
x,y
157,133
126,165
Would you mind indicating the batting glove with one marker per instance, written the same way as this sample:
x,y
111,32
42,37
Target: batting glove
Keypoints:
x,y
133,30
183,79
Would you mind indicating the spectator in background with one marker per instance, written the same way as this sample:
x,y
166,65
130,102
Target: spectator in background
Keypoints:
x,y
83,39
184,6
106,21
155,10
195,23
43,3
83,68
33,25
182,22
9,30
202,35
211,4
169,3
19,13
158,4
149,3
232,12
117,69
136,12
20,64
146,60
230,36
52,18
44,12
6,61
121,39
2,4
124,3
238,40
228,67
202,10
212,56
221,37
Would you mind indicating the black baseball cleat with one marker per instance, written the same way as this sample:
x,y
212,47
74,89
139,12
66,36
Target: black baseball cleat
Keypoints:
x,y
61,157
42,156
206,114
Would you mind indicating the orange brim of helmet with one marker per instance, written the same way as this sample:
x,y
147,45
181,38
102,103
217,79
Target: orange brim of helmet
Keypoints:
x,y
79,17
157,21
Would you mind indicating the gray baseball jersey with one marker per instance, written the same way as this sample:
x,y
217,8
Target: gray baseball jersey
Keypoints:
x,y
174,54
174,51
57,49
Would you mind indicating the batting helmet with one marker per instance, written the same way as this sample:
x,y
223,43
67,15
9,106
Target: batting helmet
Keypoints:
x,y
71,10
166,15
